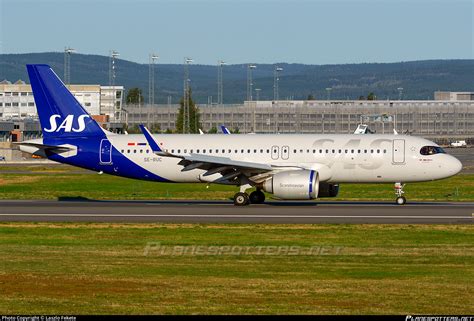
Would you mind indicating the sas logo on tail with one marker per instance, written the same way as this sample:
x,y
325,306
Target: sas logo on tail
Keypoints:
x,y
66,124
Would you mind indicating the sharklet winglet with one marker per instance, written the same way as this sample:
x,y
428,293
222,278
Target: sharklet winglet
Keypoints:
x,y
151,141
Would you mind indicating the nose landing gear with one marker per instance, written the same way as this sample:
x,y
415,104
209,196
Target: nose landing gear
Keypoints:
x,y
401,200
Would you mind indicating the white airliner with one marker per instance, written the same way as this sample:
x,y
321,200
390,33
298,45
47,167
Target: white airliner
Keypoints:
x,y
291,167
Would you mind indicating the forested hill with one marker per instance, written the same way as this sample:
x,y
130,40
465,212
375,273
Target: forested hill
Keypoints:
x,y
419,79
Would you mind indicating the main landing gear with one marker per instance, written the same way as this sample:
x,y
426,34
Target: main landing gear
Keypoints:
x,y
241,198
401,200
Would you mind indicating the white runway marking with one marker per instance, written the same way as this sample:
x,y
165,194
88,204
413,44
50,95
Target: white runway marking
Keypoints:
x,y
246,216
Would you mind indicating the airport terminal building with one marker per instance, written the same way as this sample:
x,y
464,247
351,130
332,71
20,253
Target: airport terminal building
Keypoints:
x,y
19,119
449,116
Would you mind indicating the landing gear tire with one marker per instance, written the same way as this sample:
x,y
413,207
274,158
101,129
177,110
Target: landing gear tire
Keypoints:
x,y
241,199
257,197
401,200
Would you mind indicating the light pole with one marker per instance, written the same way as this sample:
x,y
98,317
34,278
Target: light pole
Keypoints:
x,y
250,67
186,118
220,82
400,93
113,54
151,78
67,64
328,91
276,79
257,93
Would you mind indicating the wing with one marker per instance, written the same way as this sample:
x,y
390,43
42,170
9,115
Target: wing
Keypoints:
x,y
51,148
229,169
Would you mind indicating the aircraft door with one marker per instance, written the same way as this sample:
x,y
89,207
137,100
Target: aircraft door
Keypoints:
x,y
105,154
275,152
398,151
285,152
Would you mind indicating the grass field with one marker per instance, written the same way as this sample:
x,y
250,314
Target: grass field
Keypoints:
x,y
69,268
46,182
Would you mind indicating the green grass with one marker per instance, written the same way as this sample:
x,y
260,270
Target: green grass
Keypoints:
x,y
71,268
54,182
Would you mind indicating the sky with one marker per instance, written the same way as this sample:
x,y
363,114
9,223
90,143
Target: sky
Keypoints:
x,y
243,31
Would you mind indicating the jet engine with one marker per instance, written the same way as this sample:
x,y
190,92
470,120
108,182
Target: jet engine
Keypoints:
x,y
293,185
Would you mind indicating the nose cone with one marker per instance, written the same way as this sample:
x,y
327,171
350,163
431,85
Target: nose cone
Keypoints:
x,y
455,166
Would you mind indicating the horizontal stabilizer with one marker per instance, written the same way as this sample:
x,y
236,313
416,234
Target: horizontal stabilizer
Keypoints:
x,y
58,149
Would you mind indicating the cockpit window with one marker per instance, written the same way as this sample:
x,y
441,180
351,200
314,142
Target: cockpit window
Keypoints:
x,y
431,150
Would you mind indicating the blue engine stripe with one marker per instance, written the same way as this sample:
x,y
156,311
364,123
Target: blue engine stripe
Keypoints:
x,y
311,176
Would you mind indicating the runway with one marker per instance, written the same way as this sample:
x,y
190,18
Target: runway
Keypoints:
x,y
226,212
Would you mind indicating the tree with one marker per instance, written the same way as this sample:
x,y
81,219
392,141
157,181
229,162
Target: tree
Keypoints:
x,y
361,97
310,97
155,128
371,96
194,117
213,130
236,130
134,96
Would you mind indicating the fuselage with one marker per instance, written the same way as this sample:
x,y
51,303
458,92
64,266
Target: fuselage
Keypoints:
x,y
336,158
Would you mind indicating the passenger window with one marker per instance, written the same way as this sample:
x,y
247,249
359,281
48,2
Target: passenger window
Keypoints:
x,y
203,151
358,151
327,151
134,151
230,151
352,151
345,151
384,151
121,151
294,151
147,151
185,151
268,151
340,151
307,151
197,151
141,151
217,151
255,151
371,151
236,151
223,151
261,151
365,151
320,151
378,151
248,151
333,151
314,151
179,151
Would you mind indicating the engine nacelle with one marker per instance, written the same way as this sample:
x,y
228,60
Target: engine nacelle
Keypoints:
x,y
293,185
328,190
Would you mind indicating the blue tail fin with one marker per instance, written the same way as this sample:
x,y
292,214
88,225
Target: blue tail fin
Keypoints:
x,y
59,112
